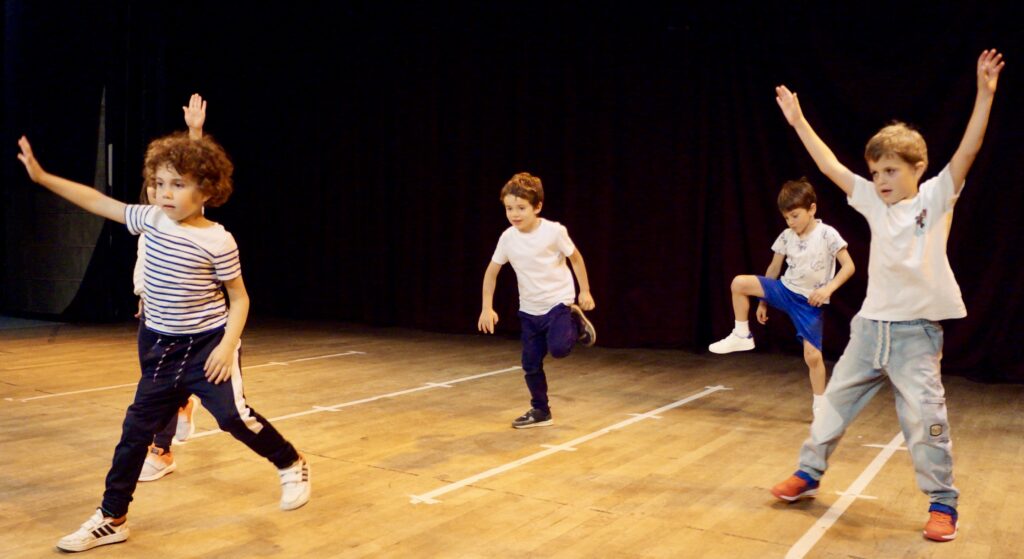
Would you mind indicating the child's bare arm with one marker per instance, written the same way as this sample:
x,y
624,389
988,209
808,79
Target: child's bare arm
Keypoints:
x,y
488,318
820,295
822,155
221,361
773,272
85,197
990,64
586,300
195,116
775,268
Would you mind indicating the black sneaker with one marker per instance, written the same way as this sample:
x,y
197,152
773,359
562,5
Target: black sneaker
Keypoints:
x,y
588,336
533,418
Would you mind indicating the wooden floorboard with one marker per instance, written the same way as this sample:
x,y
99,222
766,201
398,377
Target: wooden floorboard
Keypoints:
x,y
691,483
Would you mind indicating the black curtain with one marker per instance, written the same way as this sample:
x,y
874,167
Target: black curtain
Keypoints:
x,y
371,140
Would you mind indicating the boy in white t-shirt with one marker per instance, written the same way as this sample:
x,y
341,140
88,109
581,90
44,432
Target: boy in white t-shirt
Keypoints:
x,y
538,249
810,249
910,287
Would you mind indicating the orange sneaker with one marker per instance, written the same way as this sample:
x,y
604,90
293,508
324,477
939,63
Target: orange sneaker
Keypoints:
x,y
186,425
158,464
941,526
798,486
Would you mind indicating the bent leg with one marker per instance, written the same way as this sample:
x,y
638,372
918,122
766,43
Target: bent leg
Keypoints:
x,y
743,288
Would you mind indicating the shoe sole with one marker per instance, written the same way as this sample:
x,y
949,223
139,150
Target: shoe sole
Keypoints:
x,y
161,473
531,425
587,325
948,538
726,352
119,537
809,494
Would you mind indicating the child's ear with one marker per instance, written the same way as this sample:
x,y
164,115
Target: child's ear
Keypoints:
x,y
919,168
539,206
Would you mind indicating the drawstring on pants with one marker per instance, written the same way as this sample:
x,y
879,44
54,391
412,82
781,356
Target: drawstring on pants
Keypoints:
x,y
883,344
184,359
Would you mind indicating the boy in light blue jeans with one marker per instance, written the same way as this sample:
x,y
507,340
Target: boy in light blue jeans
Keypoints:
x,y
910,287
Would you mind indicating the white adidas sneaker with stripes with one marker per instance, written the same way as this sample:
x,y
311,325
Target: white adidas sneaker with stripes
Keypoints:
x,y
98,530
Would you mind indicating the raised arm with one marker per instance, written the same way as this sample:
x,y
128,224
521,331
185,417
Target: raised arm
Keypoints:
x,y
488,318
85,197
990,64
195,116
822,155
585,299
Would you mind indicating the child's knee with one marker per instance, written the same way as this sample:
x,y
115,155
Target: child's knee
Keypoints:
x,y
558,352
812,356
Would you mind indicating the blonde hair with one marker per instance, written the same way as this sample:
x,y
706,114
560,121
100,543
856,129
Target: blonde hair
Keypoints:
x,y
900,140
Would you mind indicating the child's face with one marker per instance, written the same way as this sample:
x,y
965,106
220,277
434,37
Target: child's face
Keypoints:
x,y
800,219
894,178
521,214
178,196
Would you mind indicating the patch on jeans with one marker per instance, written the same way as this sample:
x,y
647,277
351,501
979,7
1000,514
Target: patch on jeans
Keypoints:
x,y
935,430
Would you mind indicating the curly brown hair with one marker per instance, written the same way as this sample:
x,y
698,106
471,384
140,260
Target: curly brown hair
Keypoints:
x,y
525,186
897,139
202,159
796,194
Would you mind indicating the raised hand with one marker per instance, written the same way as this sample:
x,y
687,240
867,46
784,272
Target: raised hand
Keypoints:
x,y
990,64
789,104
195,115
35,171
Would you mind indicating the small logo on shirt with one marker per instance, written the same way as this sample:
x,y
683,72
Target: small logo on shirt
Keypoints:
x,y
920,221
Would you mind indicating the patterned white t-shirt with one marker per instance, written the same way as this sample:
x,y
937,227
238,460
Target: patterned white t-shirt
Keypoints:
x,y
538,258
810,261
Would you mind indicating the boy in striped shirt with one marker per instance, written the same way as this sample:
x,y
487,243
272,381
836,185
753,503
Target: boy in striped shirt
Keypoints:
x,y
190,341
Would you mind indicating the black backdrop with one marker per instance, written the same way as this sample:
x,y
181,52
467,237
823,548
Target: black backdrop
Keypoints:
x,y
371,140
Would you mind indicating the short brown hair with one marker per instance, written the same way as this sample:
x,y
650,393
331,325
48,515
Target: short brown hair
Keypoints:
x,y
897,139
525,186
203,159
796,194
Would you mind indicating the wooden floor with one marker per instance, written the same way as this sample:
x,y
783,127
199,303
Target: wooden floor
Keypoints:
x,y
412,454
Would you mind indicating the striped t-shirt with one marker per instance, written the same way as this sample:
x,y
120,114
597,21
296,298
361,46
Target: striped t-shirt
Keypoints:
x,y
184,268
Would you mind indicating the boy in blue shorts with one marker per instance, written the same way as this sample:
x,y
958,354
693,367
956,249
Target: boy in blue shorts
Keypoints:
x,y
538,249
810,250
911,287
190,342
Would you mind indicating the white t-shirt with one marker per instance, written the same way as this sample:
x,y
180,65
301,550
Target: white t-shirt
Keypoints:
x,y
538,258
909,276
811,261
184,268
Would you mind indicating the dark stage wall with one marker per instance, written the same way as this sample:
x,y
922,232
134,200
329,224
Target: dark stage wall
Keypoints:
x,y
371,141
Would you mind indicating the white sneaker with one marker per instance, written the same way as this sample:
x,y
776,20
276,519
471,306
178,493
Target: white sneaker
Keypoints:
x,y
295,486
98,530
732,343
186,426
157,464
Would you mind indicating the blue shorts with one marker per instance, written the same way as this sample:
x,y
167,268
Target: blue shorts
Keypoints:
x,y
806,318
